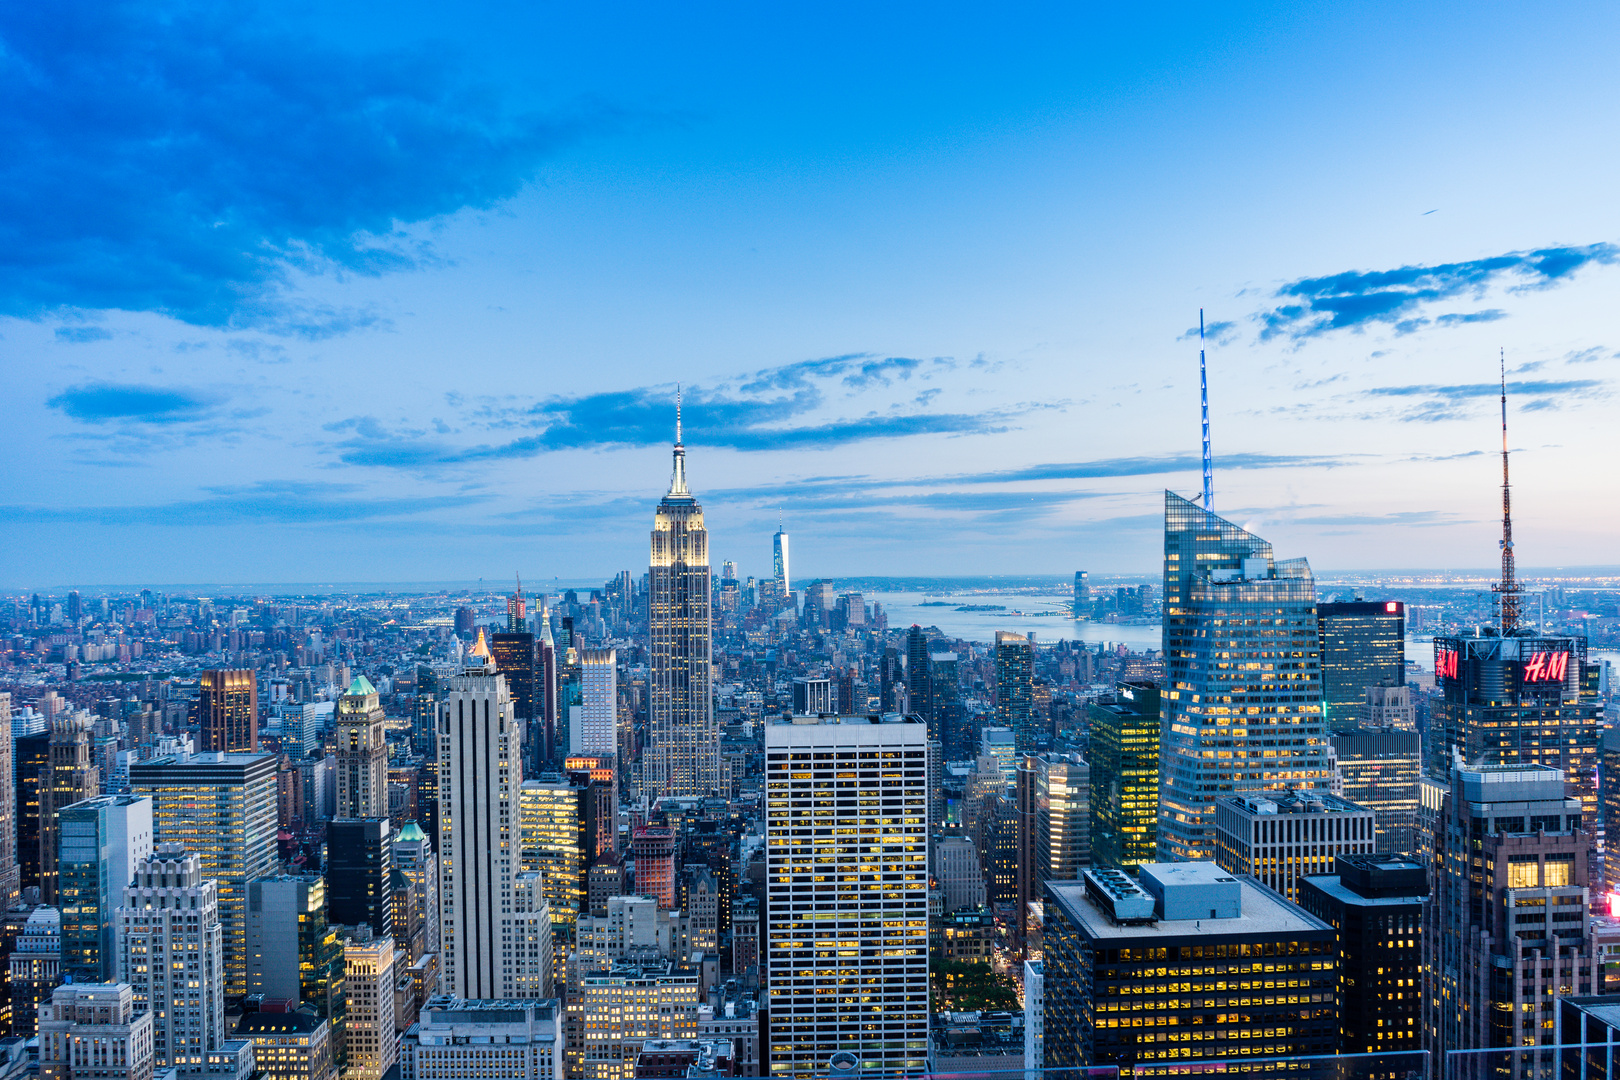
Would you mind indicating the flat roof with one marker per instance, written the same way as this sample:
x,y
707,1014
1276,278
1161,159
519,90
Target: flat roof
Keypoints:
x,y
1330,884
1264,912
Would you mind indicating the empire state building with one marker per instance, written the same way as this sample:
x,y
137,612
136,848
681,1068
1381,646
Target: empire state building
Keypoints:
x,y
683,749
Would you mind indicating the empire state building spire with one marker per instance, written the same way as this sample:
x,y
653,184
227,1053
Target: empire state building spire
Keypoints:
x,y
677,482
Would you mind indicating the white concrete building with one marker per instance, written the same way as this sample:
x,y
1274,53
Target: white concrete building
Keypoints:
x,y
455,1039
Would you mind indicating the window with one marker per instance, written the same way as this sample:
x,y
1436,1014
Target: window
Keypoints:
x,y
1522,873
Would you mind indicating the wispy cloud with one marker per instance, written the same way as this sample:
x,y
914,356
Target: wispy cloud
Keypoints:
x,y
79,335
197,158
1355,300
102,402
267,502
1477,390
1221,332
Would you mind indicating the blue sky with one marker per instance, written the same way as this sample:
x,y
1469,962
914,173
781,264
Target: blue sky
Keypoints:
x,y
403,291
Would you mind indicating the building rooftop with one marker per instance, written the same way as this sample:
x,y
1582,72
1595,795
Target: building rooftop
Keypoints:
x,y
1261,911
1334,887
834,718
1306,801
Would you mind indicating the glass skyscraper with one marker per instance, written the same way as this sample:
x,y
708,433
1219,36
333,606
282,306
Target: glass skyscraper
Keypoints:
x,y
1242,706
1125,776
1015,688
1363,644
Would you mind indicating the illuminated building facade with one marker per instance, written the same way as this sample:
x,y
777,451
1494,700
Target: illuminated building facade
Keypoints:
x,y
94,1032
362,753
223,807
598,729
1278,839
1125,776
369,1039
1186,963
653,847
846,899
1380,769
1015,688
513,653
294,952
103,839
1242,704
69,775
228,712
553,843
612,1013
1363,644
10,874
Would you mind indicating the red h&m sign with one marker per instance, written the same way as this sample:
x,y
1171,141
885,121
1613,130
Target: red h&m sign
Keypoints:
x,y
1546,667
1445,663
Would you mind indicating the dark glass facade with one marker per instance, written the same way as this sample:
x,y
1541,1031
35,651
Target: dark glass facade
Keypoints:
x,y
1363,644
359,878
1125,776
1015,688
514,658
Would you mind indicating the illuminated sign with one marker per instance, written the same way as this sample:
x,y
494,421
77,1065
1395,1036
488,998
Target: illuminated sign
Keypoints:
x,y
1546,667
1445,663
1392,606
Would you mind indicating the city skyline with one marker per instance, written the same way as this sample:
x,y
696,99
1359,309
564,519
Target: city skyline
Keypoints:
x,y
959,290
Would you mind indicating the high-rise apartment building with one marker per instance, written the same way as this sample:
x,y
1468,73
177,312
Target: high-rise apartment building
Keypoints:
x,y
1015,688
846,821
1380,768
1278,839
10,873
94,1032
103,840
228,712
69,775
480,773
1507,930
598,729
682,756
1363,644
171,953
1125,776
362,753
1241,710
223,807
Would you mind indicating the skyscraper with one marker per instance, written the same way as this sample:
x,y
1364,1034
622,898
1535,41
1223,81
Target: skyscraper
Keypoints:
x,y
1015,688
362,753
103,840
553,843
847,910
1242,707
1380,768
480,772
1363,644
683,751
223,807
543,752
69,776
228,712
10,873
295,952
513,652
779,564
1082,595
1125,776
31,755
359,873
171,952
599,708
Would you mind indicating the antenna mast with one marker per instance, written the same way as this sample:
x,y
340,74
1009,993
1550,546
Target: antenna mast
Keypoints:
x,y
1508,591
1203,404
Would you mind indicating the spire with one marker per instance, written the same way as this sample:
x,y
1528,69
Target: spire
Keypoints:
x,y
677,482
520,584
480,648
545,626
1203,405
1507,593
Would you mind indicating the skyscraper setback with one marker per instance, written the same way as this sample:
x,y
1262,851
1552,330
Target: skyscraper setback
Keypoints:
x,y
683,751
1242,708
362,753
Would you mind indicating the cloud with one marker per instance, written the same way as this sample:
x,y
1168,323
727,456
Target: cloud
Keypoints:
x,y
1417,518
1478,390
1589,355
266,502
102,402
1356,299
1216,333
78,335
195,158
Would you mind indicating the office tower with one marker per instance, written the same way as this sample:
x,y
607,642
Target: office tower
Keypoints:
x,y
1363,644
847,913
543,752
466,621
1516,700
614,1012
1242,678
1380,769
413,855
553,843
812,697
423,709
596,778
103,840
683,749
228,712
956,867
31,756
917,682
1060,817
1388,707
513,653
360,873
35,967
1125,776
94,1032
223,807
1034,1019
295,953
534,960
170,952
891,681
291,1045
69,776
369,1037
1015,687
514,1040
517,611
779,564
362,753
997,744
1609,770
480,772
653,849
10,873
1107,937
1509,905
1375,905
1279,838
945,705
598,729
1082,595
